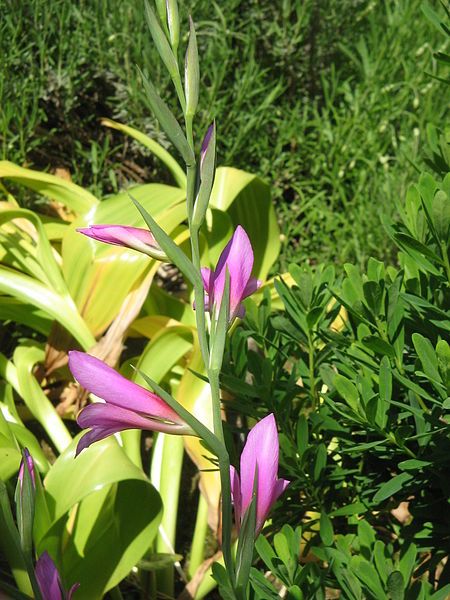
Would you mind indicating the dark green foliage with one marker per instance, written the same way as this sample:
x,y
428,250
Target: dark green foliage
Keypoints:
x,y
362,402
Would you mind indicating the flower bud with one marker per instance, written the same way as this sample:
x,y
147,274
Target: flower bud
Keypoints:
x,y
129,237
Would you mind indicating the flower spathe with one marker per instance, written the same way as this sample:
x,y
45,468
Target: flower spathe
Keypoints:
x,y
28,464
129,237
236,258
49,581
259,456
127,405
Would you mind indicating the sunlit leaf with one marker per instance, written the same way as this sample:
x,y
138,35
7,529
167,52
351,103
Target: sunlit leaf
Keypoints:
x,y
71,195
109,511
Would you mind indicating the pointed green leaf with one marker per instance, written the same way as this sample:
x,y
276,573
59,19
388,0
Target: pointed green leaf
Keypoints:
x,y
391,487
326,529
161,43
191,72
168,122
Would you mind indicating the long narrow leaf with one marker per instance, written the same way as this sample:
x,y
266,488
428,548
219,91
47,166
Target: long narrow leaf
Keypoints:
x,y
71,195
168,121
30,291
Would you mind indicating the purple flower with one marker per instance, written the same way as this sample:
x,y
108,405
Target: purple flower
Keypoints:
x,y
237,258
49,581
29,464
260,455
127,404
129,237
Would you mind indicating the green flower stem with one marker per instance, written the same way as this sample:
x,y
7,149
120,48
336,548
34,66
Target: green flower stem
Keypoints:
x,y
224,467
213,374
199,294
198,540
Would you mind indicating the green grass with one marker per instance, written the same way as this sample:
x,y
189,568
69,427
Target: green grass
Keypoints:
x,y
327,101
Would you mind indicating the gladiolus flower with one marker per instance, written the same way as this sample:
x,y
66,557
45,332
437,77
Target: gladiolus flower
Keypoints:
x,y
237,259
127,404
49,581
129,237
259,457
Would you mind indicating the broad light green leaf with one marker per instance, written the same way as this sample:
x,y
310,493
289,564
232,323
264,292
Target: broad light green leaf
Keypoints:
x,y
247,200
71,195
10,456
25,358
117,516
14,428
45,255
28,290
12,309
159,302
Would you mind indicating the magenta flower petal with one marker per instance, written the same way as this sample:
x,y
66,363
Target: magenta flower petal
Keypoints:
x,y
127,405
129,237
208,279
118,235
108,419
49,581
260,454
48,578
106,383
237,257
251,287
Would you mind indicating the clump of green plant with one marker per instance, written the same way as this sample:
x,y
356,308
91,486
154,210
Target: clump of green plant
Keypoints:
x,y
357,368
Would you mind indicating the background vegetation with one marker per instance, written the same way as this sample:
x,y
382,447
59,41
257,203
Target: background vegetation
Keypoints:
x,y
341,112
330,106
